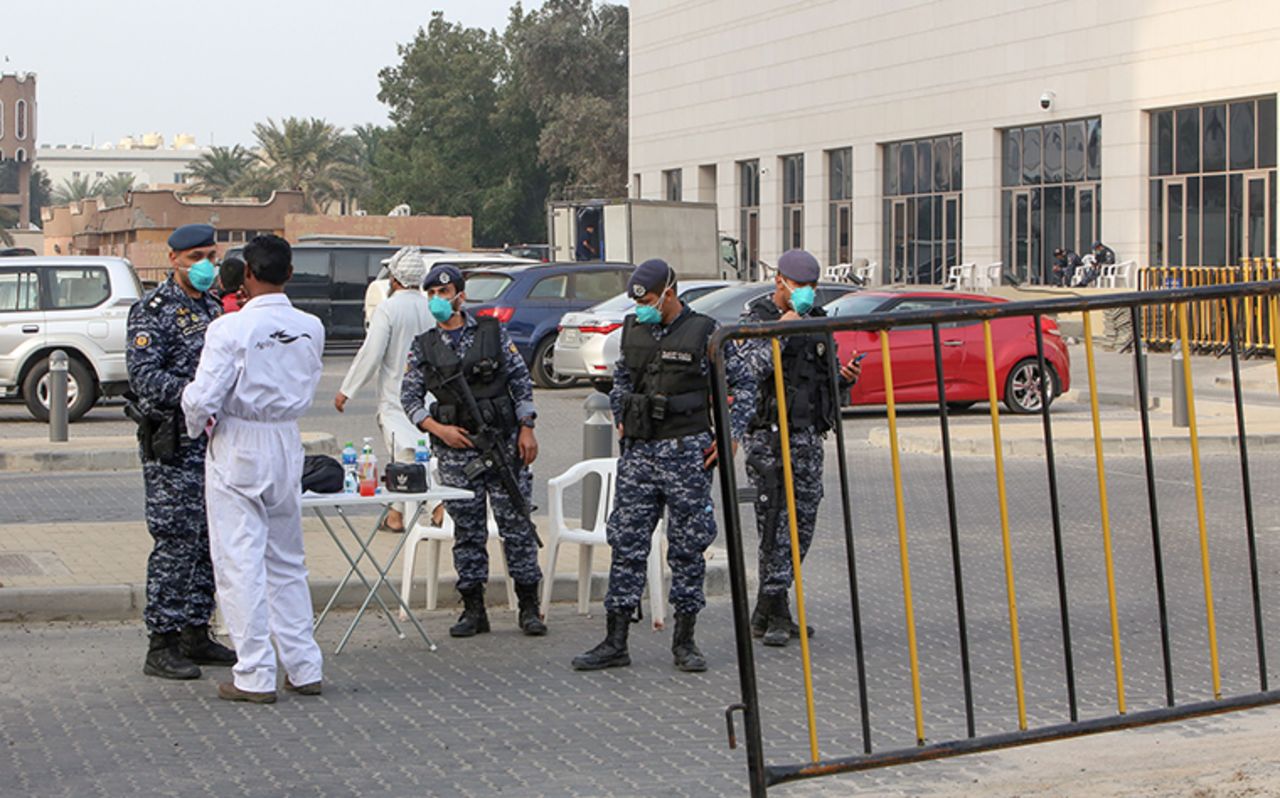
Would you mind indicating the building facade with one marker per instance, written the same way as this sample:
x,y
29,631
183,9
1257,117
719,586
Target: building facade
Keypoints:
x,y
921,134
147,160
18,137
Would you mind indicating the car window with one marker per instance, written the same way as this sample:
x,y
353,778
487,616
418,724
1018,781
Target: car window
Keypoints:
x,y
693,293
486,287
556,287
618,304
826,295
310,266
598,286
350,267
855,304
923,303
19,290
728,304
79,287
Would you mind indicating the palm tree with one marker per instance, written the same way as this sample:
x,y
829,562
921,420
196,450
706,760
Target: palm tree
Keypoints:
x,y
74,189
220,170
8,218
115,188
307,155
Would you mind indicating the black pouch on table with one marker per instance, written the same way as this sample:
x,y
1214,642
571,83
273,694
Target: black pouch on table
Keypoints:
x,y
406,478
321,474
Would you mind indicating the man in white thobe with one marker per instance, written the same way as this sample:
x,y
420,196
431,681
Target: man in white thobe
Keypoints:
x,y
401,317
257,375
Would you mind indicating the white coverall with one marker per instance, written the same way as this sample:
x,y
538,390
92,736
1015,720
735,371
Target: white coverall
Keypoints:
x,y
257,375
399,319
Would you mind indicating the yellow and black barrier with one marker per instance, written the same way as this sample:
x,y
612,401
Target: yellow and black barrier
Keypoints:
x,y
1206,329
1242,312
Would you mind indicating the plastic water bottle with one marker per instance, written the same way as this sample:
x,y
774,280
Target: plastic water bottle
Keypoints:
x,y
422,456
367,469
349,482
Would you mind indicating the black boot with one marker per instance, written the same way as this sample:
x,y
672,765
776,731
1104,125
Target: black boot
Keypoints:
x,y
529,620
759,619
164,659
686,653
199,646
612,653
474,619
778,611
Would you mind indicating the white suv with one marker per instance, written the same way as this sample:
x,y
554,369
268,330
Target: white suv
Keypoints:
x,y
77,304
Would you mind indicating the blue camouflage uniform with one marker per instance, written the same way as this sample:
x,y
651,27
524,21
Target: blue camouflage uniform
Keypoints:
x,y
668,473
763,449
471,535
166,334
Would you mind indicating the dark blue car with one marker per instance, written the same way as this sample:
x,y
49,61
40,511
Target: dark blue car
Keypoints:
x,y
530,300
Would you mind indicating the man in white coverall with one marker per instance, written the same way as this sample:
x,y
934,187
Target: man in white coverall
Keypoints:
x,y
257,375
401,317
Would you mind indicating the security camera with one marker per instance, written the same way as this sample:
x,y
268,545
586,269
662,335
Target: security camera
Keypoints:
x,y
1046,100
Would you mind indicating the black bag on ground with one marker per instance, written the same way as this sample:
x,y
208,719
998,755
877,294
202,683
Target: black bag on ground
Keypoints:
x,y
321,474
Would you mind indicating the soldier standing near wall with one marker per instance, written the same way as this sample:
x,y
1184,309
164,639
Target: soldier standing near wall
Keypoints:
x,y
166,335
811,413
661,400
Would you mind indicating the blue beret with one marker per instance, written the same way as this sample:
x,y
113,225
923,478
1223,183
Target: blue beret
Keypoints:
x,y
190,236
799,266
444,274
652,275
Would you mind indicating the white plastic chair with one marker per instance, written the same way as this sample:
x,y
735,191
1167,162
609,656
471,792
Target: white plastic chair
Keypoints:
x,y
866,273
961,276
435,537
839,273
560,533
991,275
1117,275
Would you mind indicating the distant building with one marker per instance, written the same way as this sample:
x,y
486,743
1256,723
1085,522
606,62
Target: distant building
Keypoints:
x,y
18,137
145,158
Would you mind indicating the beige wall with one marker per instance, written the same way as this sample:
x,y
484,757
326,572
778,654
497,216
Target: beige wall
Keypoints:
x,y
442,231
721,81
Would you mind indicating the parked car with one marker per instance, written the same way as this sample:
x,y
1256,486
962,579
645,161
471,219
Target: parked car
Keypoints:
x,y
530,300
77,304
330,280
538,252
964,358
579,350
725,305
16,252
465,261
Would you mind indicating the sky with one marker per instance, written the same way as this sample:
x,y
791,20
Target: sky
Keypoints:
x,y
106,70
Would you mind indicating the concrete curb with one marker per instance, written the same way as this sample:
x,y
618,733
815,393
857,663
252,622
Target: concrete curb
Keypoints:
x,y
67,457
125,601
1123,446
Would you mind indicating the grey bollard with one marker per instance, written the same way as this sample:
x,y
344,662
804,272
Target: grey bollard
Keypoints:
x,y
597,441
1179,388
58,396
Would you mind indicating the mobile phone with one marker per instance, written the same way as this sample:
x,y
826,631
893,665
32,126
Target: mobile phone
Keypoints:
x,y
859,358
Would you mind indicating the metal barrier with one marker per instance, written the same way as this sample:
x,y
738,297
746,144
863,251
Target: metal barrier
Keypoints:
x,y
1208,320
1238,306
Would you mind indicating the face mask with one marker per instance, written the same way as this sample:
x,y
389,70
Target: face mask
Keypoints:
x,y
441,308
648,314
201,275
802,299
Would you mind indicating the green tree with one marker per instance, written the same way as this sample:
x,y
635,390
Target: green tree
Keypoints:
x,y
114,189
40,188
8,218
74,189
307,155
220,170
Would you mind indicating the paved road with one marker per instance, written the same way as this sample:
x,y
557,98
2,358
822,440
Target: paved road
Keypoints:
x,y
504,715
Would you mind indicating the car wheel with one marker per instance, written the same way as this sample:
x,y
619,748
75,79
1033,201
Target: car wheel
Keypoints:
x,y
1022,387
544,372
82,389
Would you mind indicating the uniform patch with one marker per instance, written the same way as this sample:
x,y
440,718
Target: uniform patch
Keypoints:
x,y
675,356
513,349
142,340
637,289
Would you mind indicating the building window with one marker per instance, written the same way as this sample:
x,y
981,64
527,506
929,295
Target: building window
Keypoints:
x,y
75,175
223,236
707,183
749,215
792,202
179,177
20,119
672,184
635,185
923,208
1213,183
1052,194
840,205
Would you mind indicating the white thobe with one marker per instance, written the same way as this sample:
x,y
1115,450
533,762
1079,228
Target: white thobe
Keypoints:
x,y
258,374
398,319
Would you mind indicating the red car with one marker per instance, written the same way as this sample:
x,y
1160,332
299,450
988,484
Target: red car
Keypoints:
x,y
964,363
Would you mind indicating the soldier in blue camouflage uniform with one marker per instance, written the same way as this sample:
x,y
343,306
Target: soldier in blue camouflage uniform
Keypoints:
x,y
661,400
470,354
166,334
811,409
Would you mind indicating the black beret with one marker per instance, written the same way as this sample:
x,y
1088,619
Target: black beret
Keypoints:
x,y
799,266
652,275
444,274
190,236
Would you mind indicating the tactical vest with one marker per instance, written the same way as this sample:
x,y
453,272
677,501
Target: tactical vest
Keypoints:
x,y
669,391
805,373
481,367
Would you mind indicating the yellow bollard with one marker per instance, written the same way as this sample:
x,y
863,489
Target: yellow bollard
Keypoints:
x,y
789,481
1010,591
899,505
1200,511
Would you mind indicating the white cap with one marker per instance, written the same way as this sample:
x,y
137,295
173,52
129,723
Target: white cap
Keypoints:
x,y
408,267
